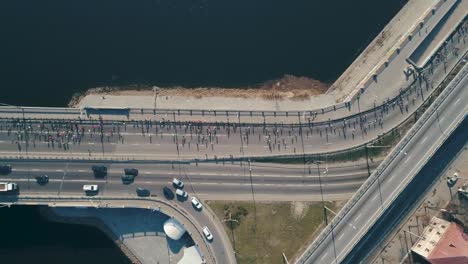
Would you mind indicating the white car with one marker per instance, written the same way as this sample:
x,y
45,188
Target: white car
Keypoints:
x,y
196,203
90,188
452,179
181,193
178,183
207,233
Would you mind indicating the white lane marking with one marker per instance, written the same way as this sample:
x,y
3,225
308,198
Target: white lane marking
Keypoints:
x,y
90,143
359,215
147,172
326,254
406,160
375,197
340,237
424,139
58,170
81,170
456,102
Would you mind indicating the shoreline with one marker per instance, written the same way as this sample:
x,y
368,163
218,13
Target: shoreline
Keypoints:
x,y
51,216
295,88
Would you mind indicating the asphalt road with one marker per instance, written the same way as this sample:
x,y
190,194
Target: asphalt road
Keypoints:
x,y
365,212
207,181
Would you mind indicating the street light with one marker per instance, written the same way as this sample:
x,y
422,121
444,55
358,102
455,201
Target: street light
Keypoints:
x,y
368,169
317,162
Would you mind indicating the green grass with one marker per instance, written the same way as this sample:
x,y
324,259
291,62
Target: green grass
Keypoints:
x,y
275,228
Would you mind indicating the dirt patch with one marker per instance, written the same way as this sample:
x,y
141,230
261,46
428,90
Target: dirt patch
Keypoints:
x,y
289,86
299,209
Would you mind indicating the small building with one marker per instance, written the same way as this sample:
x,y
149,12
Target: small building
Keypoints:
x,y
173,229
442,242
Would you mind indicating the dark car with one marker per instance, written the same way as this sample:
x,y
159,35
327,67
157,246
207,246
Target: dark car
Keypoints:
x,y
142,192
131,171
127,178
42,179
168,193
99,170
5,169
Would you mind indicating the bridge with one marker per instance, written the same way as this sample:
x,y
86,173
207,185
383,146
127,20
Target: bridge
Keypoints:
x,y
216,150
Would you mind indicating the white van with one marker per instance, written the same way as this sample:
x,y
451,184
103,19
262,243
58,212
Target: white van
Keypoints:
x,y
178,183
181,193
90,188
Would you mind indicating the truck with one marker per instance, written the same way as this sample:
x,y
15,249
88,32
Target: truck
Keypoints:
x,y
8,187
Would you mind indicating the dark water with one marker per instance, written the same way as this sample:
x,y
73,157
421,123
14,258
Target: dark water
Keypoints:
x,y
28,238
50,49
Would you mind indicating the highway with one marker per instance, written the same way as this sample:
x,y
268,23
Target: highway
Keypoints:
x,y
406,160
207,181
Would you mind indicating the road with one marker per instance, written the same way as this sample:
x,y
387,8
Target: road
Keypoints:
x,y
207,181
409,159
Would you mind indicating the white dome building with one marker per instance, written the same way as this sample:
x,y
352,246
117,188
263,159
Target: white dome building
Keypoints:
x,y
173,229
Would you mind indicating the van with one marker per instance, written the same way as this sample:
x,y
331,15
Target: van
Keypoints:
x,y
181,193
178,183
90,188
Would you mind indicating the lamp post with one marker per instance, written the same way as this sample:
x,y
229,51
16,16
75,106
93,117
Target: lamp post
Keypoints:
x,y
317,162
368,169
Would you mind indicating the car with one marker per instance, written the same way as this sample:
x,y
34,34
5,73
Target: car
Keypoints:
x,y
196,203
178,183
181,193
128,178
99,170
452,179
131,171
143,192
42,179
5,169
90,188
168,193
207,233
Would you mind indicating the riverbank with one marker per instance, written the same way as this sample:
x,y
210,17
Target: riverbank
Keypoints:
x,y
288,87
49,214
31,238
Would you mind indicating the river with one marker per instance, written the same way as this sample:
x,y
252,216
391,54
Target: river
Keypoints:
x,y
51,49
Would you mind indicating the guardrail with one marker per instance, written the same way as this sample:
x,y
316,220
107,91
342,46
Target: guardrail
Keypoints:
x,y
383,166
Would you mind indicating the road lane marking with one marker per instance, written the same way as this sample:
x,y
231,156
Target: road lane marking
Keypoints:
x,y
456,102
424,139
326,254
59,170
90,143
339,238
359,215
